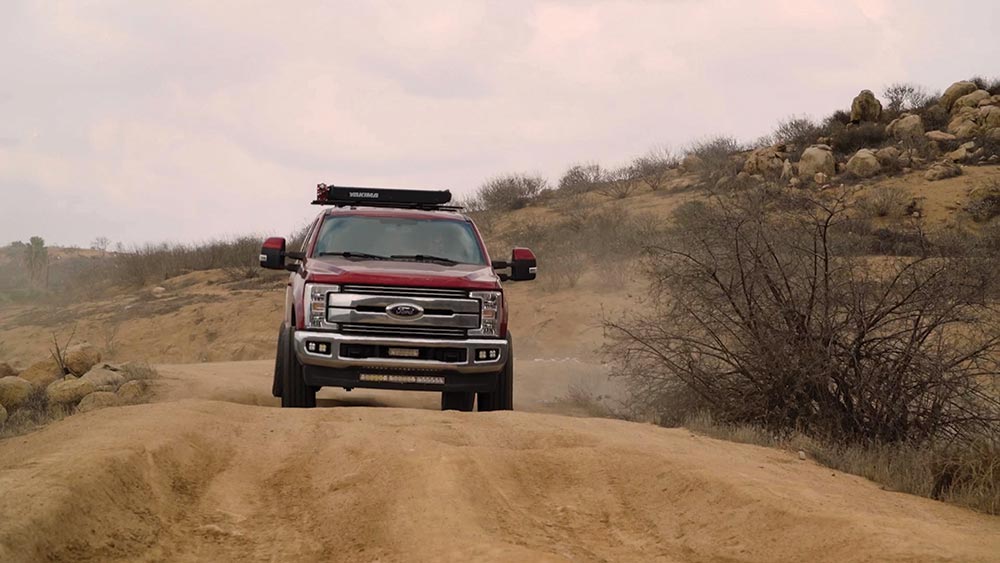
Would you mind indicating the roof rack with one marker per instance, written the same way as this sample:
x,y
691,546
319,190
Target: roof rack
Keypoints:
x,y
344,196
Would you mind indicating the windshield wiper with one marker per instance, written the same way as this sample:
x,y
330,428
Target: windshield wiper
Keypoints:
x,y
424,258
352,255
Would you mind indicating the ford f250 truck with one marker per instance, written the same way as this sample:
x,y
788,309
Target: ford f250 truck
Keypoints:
x,y
394,289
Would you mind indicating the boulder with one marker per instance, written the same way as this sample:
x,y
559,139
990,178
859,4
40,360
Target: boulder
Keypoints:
x,y
6,370
817,159
104,379
887,156
994,135
864,164
956,91
81,357
69,390
132,391
942,170
961,154
971,100
908,127
766,161
940,136
97,400
43,373
865,107
14,391
3,415
963,125
989,116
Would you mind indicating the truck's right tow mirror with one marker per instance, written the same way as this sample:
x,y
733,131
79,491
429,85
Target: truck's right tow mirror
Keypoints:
x,y
523,266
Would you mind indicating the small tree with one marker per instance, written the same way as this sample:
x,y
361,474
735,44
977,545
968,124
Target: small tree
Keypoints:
x,y
762,312
509,192
904,96
101,244
653,168
582,178
36,259
620,183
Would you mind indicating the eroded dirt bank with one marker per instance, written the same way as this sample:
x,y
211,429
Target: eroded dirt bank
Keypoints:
x,y
213,473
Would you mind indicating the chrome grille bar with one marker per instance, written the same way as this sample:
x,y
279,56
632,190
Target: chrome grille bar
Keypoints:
x,y
389,290
407,331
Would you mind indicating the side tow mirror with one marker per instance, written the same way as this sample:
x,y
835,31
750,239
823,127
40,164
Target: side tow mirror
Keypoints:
x,y
523,266
272,254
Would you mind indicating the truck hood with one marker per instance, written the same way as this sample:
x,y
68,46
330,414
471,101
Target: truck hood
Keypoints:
x,y
338,270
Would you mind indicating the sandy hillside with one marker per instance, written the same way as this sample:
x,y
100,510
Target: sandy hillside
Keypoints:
x,y
212,472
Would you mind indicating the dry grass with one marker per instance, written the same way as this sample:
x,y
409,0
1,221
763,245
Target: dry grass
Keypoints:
x,y
968,476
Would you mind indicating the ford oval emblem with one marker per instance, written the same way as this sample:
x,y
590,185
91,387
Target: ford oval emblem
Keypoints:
x,y
405,311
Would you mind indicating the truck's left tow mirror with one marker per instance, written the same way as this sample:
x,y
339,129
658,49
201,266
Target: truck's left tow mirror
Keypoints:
x,y
272,254
523,266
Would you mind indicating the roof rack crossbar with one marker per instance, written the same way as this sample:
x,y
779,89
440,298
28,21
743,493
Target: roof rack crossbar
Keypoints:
x,y
345,196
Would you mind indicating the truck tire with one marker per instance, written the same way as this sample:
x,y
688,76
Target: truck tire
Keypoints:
x,y
457,401
502,399
279,361
294,391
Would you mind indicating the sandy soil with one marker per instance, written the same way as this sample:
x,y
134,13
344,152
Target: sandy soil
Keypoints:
x,y
212,472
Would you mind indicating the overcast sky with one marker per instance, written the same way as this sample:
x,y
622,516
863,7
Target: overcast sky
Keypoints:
x,y
187,120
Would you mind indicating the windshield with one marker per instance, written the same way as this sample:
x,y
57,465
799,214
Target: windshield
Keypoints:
x,y
399,238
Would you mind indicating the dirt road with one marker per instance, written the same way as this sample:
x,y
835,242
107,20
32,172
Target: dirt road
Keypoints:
x,y
212,473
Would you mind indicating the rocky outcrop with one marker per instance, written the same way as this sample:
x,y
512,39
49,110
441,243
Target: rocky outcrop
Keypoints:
x,y
864,164
865,107
815,160
942,170
971,100
43,373
6,370
69,390
888,156
908,127
13,391
956,91
80,358
97,400
766,161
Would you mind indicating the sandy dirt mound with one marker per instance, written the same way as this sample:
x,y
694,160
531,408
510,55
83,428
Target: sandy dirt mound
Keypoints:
x,y
197,479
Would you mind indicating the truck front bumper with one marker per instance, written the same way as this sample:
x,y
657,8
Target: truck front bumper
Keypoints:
x,y
376,362
345,351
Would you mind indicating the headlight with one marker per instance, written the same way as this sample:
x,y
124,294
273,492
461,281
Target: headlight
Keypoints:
x,y
316,305
489,313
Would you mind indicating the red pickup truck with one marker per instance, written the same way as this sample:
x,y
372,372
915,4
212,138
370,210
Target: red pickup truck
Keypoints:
x,y
394,289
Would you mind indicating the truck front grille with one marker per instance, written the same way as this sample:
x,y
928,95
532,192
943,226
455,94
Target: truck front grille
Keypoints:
x,y
367,329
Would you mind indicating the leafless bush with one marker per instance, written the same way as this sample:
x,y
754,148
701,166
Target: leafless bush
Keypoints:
x,y
619,183
582,178
903,96
715,154
511,191
140,265
753,310
654,167
991,85
984,204
848,139
797,133
884,201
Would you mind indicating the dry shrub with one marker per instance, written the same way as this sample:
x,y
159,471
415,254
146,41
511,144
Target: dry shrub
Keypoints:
x,y
754,310
904,96
581,178
884,201
654,167
511,191
984,204
716,154
850,138
619,183
797,133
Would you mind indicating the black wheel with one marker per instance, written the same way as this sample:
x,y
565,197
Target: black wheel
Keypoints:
x,y
279,361
294,391
457,401
502,399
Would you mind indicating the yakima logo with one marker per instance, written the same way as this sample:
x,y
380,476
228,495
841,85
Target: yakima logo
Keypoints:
x,y
368,195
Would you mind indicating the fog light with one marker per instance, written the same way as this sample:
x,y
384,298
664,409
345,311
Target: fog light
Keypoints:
x,y
484,354
318,347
